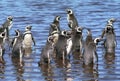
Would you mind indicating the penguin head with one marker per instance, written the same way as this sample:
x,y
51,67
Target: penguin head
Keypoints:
x,y
2,35
89,32
111,21
109,29
97,40
28,28
63,33
51,39
69,11
69,33
57,18
10,18
79,30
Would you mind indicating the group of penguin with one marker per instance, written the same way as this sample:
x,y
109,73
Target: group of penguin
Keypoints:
x,y
61,44
18,43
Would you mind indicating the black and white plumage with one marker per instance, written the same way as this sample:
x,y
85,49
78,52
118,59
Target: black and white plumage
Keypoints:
x,y
28,38
111,21
7,25
57,22
55,26
72,21
89,53
47,51
77,40
17,50
110,37
63,46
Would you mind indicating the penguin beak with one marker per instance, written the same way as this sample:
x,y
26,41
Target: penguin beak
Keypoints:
x,y
68,11
59,17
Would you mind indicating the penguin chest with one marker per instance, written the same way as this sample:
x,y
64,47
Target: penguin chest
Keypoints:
x,y
27,42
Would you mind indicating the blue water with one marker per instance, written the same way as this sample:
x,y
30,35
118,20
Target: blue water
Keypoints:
x,y
92,14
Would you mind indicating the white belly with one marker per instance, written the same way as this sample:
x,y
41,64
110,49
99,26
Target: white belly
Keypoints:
x,y
27,42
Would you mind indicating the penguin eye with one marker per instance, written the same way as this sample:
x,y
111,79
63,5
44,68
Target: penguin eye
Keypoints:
x,y
64,33
58,18
70,11
3,34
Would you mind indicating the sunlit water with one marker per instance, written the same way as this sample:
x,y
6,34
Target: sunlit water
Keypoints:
x,y
92,14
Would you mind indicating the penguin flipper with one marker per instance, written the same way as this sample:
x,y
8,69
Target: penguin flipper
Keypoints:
x,y
70,24
103,33
33,40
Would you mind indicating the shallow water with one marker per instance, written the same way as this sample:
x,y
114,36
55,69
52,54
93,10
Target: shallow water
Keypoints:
x,y
39,14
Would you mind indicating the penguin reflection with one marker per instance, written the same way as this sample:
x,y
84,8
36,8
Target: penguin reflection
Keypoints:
x,y
47,72
19,69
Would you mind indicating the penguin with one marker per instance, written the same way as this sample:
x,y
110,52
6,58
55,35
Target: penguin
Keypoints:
x,y
77,40
28,38
55,26
47,51
63,46
72,21
110,37
16,44
89,53
7,25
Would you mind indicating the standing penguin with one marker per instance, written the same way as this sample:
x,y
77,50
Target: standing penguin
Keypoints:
x,y
63,46
89,53
110,37
7,25
28,37
47,51
17,50
72,21
55,26
77,40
